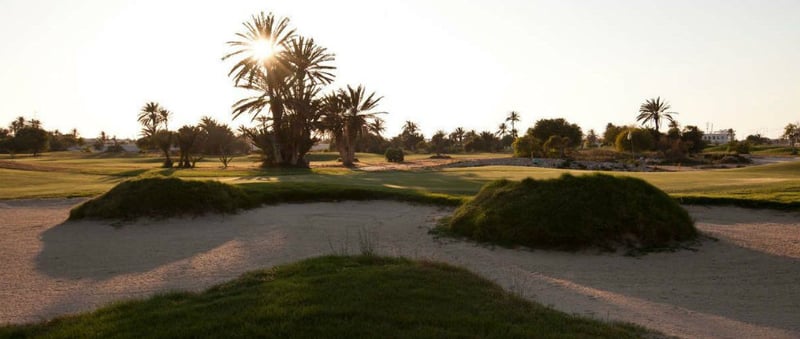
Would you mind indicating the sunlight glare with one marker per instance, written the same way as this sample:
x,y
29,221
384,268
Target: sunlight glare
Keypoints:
x,y
262,49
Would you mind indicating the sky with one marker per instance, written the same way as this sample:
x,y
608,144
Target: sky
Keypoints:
x,y
92,65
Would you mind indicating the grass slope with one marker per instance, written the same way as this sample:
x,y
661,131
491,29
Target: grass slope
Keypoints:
x,y
574,212
334,297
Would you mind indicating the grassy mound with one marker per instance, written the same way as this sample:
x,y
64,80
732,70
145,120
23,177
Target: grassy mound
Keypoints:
x,y
574,212
334,297
163,197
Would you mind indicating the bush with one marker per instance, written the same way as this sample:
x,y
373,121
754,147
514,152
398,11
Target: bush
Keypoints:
x,y
394,155
738,147
527,146
642,140
163,197
574,212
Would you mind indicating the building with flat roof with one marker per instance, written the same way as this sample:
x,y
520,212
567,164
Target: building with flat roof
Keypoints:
x,y
722,136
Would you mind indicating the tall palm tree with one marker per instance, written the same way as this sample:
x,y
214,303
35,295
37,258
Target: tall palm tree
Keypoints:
x,y
513,117
286,80
262,72
355,109
150,118
655,110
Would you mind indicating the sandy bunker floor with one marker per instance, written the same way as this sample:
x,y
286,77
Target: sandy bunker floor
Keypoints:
x,y
746,284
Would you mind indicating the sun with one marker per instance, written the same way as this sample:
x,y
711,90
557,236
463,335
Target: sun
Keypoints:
x,y
261,49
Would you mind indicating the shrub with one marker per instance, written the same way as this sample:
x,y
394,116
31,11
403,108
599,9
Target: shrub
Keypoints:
x,y
739,147
394,155
527,146
574,212
642,140
163,197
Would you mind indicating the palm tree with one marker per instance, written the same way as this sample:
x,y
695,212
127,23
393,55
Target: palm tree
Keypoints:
x,y
17,124
410,127
349,113
513,117
458,136
377,126
150,118
286,79
502,130
164,116
655,110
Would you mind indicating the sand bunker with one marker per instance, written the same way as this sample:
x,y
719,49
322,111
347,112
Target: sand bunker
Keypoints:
x,y
743,285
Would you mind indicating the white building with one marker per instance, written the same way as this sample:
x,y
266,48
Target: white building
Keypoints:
x,y
722,136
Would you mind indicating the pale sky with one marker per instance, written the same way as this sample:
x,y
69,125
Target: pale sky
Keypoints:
x,y
443,64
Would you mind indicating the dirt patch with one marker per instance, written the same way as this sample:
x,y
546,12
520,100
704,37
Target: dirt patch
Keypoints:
x,y
739,286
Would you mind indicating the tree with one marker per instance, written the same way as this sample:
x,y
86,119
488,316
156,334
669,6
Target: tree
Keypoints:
x,y
484,142
6,140
150,117
654,111
164,116
502,130
410,136
557,145
693,138
757,139
163,140
545,128
527,146
100,142
31,139
439,142
513,117
635,140
377,126
792,132
187,140
458,137
286,72
610,134
218,140
348,115
591,139
17,125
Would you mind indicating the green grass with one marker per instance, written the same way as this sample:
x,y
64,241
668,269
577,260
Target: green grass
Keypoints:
x,y
159,197
334,297
573,213
74,174
164,197
769,150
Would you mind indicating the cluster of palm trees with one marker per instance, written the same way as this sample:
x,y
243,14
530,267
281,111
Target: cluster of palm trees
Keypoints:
x,y
286,73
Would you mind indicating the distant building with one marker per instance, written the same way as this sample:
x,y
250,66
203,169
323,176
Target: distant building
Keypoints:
x,y
722,136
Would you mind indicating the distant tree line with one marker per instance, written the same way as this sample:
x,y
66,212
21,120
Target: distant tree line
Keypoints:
x,y
28,136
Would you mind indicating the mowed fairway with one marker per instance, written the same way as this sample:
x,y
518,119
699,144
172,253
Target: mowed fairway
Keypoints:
x,y
74,174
